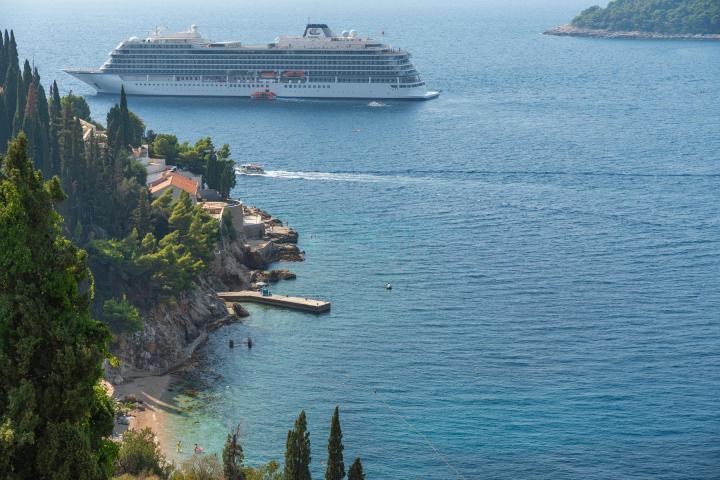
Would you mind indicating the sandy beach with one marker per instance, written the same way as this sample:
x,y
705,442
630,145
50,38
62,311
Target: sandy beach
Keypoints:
x,y
153,404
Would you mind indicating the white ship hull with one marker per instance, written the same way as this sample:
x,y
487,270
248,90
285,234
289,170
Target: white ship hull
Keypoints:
x,y
169,86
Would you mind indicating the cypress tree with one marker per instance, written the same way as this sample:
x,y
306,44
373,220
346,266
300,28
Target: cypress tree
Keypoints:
x,y
55,116
20,101
44,122
119,124
233,458
55,417
43,107
335,464
11,86
3,60
27,75
4,125
23,88
6,48
356,471
297,451
142,215
12,54
32,127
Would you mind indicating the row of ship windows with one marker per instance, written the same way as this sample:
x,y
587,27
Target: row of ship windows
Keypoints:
x,y
394,58
287,64
143,50
228,69
321,79
255,85
318,79
240,75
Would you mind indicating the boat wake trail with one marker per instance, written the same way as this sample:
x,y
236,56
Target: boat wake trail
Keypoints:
x,y
330,177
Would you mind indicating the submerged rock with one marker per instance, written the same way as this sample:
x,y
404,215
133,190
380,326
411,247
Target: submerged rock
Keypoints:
x,y
240,311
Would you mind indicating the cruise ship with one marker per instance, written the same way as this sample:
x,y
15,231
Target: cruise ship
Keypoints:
x,y
318,64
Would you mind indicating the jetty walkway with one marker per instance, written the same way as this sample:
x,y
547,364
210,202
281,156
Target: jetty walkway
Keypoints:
x,y
295,303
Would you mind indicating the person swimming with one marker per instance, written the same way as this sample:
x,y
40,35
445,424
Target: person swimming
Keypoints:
x,y
179,446
198,449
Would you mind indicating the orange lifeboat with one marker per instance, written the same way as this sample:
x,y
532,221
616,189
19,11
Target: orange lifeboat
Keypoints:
x,y
294,73
268,74
263,95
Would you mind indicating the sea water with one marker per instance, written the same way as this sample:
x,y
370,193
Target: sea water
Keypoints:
x,y
550,226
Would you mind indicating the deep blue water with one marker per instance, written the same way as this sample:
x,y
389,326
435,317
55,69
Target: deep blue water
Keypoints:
x,y
551,226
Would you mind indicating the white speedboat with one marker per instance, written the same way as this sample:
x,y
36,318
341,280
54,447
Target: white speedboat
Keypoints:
x,y
252,169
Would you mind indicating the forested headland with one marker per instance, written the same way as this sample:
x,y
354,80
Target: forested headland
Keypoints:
x,y
658,16
72,206
146,249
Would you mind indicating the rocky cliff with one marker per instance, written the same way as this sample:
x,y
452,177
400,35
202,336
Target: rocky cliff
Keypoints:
x,y
173,330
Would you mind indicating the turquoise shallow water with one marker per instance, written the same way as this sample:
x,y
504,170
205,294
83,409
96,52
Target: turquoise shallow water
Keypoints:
x,y
550,225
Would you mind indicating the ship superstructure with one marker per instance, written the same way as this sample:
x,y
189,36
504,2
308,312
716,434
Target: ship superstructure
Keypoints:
x,y
318,64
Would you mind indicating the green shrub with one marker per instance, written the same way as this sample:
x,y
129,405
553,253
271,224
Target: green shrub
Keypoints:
x,y
121,316
140,455
199,467
271,471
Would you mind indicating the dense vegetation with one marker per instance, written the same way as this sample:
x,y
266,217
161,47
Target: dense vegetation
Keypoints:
x,y
214,165
140,250
141,458
54,418
661,16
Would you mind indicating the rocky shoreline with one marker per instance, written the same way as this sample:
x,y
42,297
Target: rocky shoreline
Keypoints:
x,y
569,30
174,330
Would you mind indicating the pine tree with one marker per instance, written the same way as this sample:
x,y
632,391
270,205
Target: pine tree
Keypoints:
x,y
181,216
356,471
55,417
297,451
233,458
335,464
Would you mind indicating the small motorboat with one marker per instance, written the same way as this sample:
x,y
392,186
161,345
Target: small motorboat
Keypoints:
x,y
376,104
252,169
266,95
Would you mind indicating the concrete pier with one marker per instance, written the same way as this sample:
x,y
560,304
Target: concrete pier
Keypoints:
x,y
294,303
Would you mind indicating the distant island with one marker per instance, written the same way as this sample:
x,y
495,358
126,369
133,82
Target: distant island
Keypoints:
x,y
652,19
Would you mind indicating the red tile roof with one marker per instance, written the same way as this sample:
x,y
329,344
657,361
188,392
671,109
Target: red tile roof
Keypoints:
x,y
176,180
